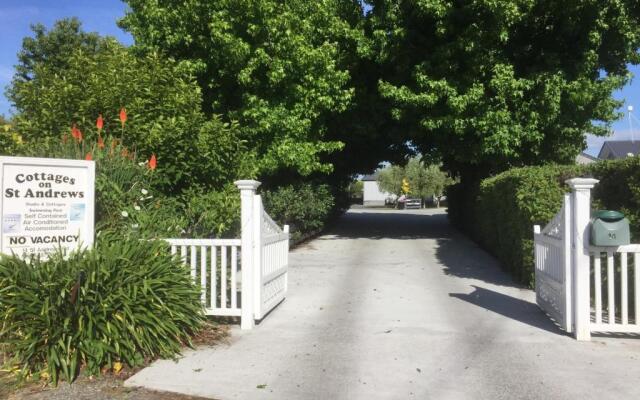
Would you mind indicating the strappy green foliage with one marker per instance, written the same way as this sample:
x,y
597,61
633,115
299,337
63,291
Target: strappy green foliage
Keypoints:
x,y
125,301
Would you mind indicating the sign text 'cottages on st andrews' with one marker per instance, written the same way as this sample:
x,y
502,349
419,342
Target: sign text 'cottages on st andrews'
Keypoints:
x,y
47,204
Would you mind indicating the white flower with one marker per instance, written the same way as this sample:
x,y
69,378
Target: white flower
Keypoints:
x,y
144,191
135,226
136,207
141,163
124,214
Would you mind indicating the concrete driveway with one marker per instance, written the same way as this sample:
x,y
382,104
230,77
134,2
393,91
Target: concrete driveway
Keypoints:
x,y
398,305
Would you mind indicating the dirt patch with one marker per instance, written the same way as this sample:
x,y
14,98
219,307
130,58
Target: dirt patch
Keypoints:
x,y
103,388
211,335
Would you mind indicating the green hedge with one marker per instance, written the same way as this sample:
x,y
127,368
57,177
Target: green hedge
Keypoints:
x,y
306,208
500,212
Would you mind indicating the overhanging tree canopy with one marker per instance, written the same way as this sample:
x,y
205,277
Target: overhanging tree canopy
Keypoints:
x,y
481,85
496,83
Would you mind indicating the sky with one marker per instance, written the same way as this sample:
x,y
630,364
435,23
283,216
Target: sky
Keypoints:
x,y
100,16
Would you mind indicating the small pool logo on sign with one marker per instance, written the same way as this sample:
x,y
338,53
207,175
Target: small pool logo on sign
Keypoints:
x,y
77,212
11,223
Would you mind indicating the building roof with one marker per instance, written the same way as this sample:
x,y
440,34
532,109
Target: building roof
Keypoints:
x,y
612,149
584,158
372,177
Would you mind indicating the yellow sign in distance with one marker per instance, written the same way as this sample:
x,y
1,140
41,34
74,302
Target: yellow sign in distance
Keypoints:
x,y
405,186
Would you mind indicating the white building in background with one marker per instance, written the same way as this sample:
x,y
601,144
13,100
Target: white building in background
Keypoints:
x,y
372,195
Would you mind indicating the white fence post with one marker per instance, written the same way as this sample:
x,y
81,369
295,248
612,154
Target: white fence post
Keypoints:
x,y
567,271
248,217
257,257
581,208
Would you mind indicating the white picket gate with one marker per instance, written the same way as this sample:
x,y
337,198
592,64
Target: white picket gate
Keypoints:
x,y
245,277
272,255
570,284
553,267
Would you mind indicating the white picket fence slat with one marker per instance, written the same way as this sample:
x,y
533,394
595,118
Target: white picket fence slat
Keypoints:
x,y
614,319
201,255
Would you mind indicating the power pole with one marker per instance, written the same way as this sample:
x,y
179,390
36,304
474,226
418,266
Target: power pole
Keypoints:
x,y
630,109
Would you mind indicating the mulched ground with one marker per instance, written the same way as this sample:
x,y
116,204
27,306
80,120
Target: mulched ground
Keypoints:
x,y
105,387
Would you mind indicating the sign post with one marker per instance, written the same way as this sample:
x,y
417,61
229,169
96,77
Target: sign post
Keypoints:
x,y
46,205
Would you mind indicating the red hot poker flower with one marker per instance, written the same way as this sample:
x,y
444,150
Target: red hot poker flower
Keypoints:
x,y
100,142
76,133
153,162
88,157
123,116
99,122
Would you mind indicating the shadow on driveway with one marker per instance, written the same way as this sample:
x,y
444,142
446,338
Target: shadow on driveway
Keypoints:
x,y
459,256
510,307
390,224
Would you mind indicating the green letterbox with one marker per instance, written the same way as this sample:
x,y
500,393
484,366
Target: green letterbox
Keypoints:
x,y
609,228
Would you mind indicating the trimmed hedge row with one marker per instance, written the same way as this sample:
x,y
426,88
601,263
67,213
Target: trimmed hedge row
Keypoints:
x,y
500,212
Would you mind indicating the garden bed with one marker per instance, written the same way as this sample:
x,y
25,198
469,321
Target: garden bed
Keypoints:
x,y
107,386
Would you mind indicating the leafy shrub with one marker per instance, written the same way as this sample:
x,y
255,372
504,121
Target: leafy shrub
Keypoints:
x,y
162,99
212,213
10,142
129,197
122,302
501,212
305,208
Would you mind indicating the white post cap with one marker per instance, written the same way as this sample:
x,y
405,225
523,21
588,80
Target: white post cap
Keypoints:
x,y
247,184
581,183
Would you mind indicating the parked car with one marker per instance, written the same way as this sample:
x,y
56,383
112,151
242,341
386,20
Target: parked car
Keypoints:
x,y
412,204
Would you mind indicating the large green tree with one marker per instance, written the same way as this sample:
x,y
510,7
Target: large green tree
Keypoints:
x,y
276,67
390,179
491,84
